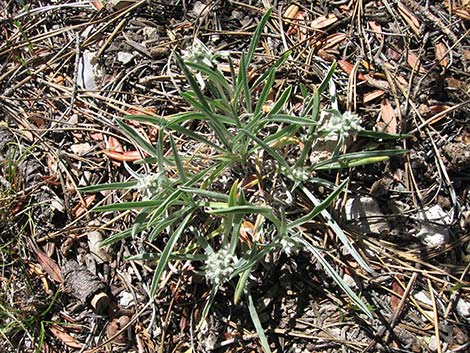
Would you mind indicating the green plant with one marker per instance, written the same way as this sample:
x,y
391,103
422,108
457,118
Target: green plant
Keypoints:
x,y
202,202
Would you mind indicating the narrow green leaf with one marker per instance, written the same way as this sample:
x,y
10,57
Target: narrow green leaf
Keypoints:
x,y
352,163
164,258
338,231
140,221
178,162
159,225
326,80
109,186
241,285
244,209
135,136
281,101
319,208
279,62
336,277
214,75
265,92
359,155
205,193
194,86
303,90
256,36
207,307
124,206
116,237
243,85
382,135
291,119
268,149
257,323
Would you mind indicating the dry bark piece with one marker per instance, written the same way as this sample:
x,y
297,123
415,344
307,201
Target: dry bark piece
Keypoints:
x,y
114,328
457,155
85,286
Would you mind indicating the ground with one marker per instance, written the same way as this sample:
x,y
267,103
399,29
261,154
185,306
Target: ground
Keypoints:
x,y
71,71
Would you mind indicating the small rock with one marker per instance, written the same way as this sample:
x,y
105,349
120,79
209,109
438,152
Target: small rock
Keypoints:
x,y
364,215
434,226
432,345
88,71
80,148
114,328
463,309
126,299
124,57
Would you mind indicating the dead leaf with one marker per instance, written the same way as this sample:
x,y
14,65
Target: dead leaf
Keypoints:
x,y
96,136
82,207
326,55
377,29
370,96
393,54
301,31
49,265
380,84
462,13
466,53
144,339
323,21
333,39
441,54
388,117
129,156
97,4
454,83
141,111
291,12
100,254
409,17
414,62
347,67
36,269
396,299
64,337
80,149
114,144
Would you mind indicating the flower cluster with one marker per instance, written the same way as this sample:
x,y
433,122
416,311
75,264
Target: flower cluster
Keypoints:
x,y
219,266
199,53
150,185
290,245
335,123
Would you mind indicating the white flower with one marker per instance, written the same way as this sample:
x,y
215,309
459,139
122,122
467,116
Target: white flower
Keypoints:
x,y
150,184
198,53
290,245
335,123
219,266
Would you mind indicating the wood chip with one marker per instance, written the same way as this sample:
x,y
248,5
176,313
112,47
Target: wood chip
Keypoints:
x,y
291,12
129,156
370,96
60,333
377,29
388,117
48,264
441,54
415,63
333,40
409,18
323,21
